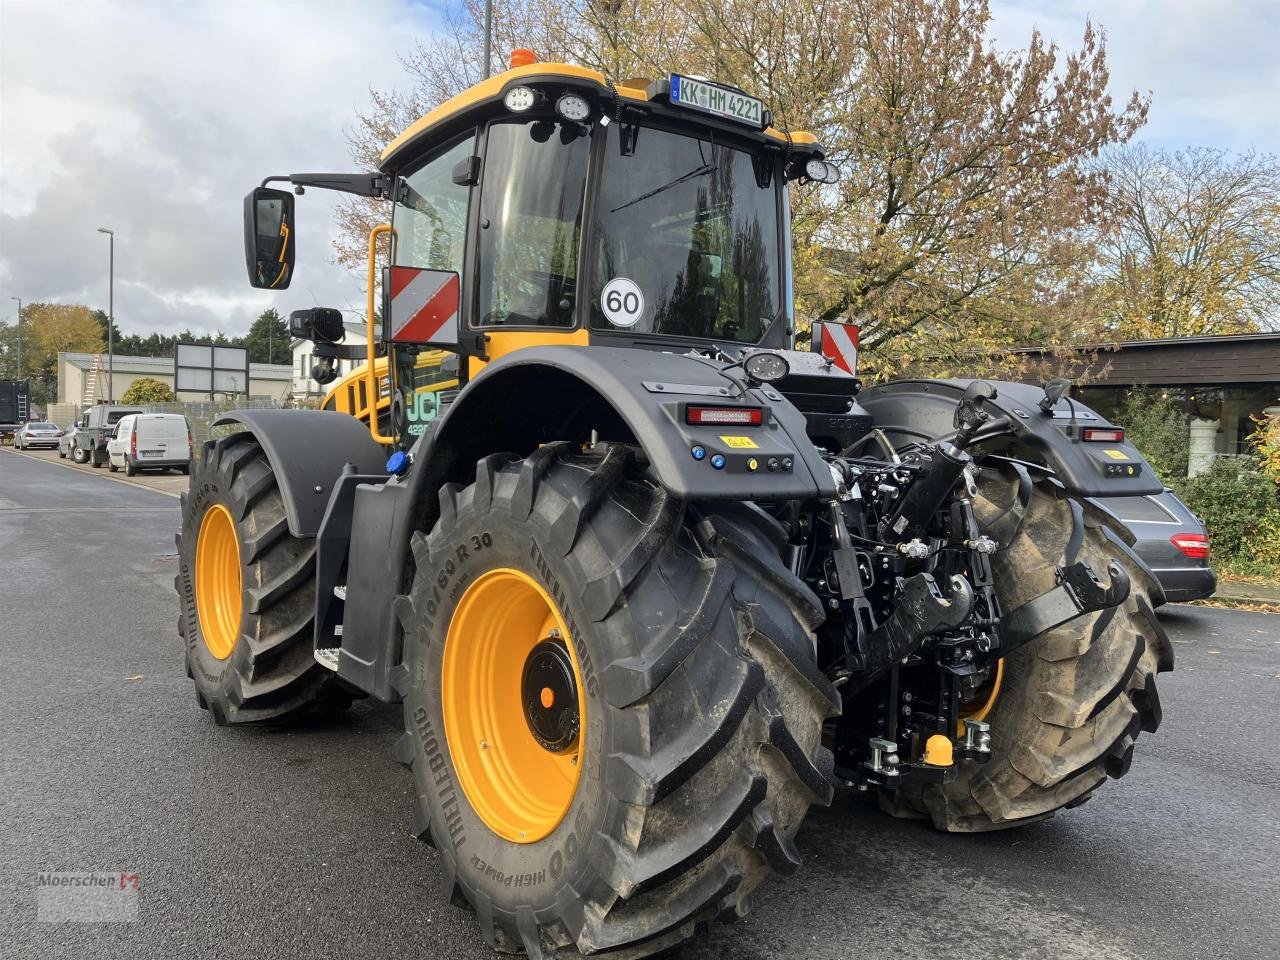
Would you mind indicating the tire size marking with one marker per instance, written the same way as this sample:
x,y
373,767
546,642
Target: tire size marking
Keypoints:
x,y
440,776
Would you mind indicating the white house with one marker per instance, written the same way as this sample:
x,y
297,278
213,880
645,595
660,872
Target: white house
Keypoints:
x,y
303,355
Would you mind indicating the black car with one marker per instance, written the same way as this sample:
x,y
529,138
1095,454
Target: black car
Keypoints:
x,y
1170,539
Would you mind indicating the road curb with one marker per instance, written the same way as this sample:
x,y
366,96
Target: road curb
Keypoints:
x,y
101,475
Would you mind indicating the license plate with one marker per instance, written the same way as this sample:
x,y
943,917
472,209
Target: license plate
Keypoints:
x,y
150,453
717,101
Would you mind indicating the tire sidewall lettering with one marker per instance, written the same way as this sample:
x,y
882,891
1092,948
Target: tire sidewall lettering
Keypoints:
x,y
473,547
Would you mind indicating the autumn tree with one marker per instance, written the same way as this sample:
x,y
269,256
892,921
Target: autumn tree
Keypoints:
x,y
961,219
1193,248
52,328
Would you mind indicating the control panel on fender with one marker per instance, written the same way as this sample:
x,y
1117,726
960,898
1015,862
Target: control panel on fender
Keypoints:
x,y
1115,462
735,450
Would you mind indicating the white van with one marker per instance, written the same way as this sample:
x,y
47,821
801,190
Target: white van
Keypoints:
x,y
150,441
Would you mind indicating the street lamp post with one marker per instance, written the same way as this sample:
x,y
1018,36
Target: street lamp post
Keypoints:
x,y
111,315
19,299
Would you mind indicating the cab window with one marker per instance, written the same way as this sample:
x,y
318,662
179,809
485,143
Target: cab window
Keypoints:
x,y
431,219
530,223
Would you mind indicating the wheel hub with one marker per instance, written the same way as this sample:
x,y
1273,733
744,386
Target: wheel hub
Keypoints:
x,y
550,696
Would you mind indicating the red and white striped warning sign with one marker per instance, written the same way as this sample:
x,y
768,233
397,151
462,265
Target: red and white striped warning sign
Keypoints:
x,y
424,305
840,345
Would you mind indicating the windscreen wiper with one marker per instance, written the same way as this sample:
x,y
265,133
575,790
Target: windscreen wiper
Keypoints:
x,y
696,172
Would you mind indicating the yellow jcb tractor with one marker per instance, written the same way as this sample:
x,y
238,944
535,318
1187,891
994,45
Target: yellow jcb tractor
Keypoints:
x,y
648,581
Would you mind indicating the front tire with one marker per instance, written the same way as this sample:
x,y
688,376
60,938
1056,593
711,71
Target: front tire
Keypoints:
x,y
246,589
1070,703
703,710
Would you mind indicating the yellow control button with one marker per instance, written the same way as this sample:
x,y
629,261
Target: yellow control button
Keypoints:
x,y
753,463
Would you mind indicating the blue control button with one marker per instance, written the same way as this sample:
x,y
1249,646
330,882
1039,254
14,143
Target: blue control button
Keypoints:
x,y
397,463
718,462
699,453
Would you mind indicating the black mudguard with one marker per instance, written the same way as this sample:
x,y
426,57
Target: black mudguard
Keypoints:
x,y
541,394
915,411
535,396
308,450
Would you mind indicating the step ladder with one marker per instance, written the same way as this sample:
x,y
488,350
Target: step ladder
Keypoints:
x,y
92,381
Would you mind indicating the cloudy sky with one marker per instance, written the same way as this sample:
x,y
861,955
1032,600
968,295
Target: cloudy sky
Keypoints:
x,y
154,119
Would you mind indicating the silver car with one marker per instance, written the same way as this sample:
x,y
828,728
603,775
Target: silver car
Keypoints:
x,y
38,433
67,441
1170,539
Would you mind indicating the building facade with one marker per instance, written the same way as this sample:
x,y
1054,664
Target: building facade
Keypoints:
x,y
79,383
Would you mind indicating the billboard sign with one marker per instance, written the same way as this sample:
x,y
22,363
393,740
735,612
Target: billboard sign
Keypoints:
x,y
201,368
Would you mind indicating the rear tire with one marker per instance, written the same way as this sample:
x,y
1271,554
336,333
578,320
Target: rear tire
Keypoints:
x,y
700,745
112,467
130,468
270,674
1071,702
79,455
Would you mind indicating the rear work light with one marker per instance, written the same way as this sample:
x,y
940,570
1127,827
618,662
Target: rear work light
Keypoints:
x,y
1107,435
725,416
1194,545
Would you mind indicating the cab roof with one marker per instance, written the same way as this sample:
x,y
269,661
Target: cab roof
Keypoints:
x,y
490,91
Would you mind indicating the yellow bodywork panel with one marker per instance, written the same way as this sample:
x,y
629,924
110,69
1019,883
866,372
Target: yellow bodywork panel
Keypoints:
x,y
499,343
490,89
350,395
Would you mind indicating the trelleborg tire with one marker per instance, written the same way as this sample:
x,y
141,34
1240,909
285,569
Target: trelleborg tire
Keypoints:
x,y
246,589
1070,703
702,709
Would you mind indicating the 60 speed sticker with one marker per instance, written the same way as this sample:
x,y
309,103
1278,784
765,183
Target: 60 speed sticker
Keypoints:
x,y
622,302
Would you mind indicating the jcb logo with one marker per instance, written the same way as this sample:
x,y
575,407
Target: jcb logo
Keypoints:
x,y
423,408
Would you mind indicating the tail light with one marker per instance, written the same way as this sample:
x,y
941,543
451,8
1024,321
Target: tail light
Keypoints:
x,y
724,416
133,444
1105,434
1194,545
191,448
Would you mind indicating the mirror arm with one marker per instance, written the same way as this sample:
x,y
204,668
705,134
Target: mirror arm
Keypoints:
x,y
373,185
343,351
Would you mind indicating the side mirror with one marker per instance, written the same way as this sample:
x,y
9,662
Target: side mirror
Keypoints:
x,y
268,238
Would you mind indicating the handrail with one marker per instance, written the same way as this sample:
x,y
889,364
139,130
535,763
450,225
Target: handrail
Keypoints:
x,y
371,378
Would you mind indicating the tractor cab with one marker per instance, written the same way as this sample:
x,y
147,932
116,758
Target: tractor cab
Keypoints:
x,y
548,205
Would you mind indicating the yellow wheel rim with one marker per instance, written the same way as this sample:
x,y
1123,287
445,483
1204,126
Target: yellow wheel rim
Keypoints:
x,y
506,637
218,581
984,702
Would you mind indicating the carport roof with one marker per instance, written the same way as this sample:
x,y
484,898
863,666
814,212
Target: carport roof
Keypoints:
x,y
164,365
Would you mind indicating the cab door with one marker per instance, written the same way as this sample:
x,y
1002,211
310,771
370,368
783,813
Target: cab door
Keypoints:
x,y
529,231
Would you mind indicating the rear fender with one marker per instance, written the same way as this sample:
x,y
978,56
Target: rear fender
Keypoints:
x,y
917,411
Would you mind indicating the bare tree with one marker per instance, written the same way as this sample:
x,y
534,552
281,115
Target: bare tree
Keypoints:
x,y
1193,247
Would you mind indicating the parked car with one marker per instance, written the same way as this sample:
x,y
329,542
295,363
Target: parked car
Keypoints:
x,y
67,440
1170,539
150,441
95,428
37,433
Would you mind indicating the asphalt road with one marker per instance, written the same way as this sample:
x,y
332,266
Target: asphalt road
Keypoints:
x,y
295,843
